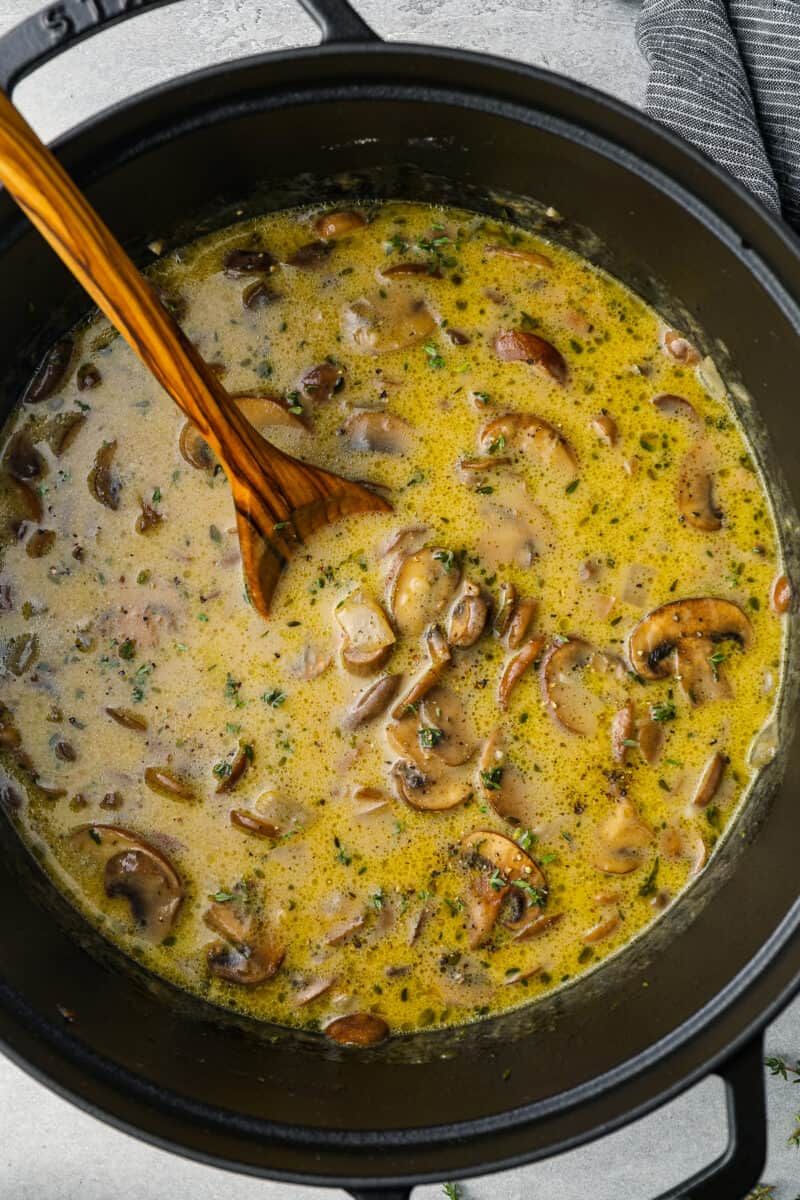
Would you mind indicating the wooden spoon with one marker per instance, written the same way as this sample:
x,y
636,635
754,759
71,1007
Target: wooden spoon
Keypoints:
x,y
279,500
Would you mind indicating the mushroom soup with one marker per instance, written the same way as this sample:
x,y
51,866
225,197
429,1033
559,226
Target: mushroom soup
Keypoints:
x,y
484,740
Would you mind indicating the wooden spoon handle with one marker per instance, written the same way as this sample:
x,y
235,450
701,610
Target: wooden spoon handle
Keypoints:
x,y
65,218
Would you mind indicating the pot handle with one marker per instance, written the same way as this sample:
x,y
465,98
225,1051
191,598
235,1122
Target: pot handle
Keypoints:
x,y
47,33
739,1167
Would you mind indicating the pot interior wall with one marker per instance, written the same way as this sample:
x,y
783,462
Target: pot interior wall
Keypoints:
x,y
167,187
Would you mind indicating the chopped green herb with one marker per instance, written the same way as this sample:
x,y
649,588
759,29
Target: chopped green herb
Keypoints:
x,y
429,736
274,698
649,885
128,649
665,711
492,778
570,488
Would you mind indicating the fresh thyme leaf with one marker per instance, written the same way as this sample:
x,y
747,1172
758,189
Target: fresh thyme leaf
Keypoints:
x,y
664,712
491,779
274,698
429,736
649,886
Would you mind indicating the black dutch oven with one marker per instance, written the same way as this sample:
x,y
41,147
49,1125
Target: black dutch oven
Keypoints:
x,y
691,997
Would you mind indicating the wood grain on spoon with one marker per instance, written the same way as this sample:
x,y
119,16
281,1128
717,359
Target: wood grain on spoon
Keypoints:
x,y
279,500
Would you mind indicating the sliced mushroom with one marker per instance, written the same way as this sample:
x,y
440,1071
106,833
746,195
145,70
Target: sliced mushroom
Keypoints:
x,y
404,270
506,606
501,784
650,735
259,294
423,588
468,616
238,766
22,460
378,432
310,256
251,822
24,499
537,926
710,779
678,639
622,729
238,264
104,484
195,449
606,428
573,705
695,494
516,667
379,324
675,406
373,701
780,595
439,657
435,788
622,840
603,929
368,637
517,345
532,436
451,735
127,719
313,990
88,376
268,411
137,872
500,869
164,783
522,618
40,543
50,372
319,383
339,223
149,518
532,257
249,955
680,348
357,1029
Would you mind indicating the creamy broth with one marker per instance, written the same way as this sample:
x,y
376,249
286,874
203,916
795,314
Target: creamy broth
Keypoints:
x,y
472,753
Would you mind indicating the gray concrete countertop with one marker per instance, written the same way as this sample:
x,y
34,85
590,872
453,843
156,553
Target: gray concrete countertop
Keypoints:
x,y
52,1151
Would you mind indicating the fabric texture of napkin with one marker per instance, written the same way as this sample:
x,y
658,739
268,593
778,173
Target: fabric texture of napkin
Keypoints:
x,y
725,75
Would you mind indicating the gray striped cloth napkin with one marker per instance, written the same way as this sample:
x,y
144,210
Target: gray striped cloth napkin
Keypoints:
x,y
725,74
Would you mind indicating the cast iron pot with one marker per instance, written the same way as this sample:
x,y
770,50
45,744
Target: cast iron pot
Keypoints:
x,y
690,998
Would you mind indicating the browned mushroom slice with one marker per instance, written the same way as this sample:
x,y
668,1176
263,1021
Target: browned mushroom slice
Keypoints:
x,y
88,376
40,543
404,270
434,788
532,257
622,730
135,871
373,701
521,620
532,436
501,784
506,605
195,449
164,783
489,462
403,737
780,595
250,822
128,719
319,383
675,406
248,964
50,372
602,929
516,667
650,735
502,872
468,616
423,588
259,294
357,1029
570,702
367,636
678,639
445,729
606,428
24,499
310,256
263,412
439,658
621,840
18,654
230,773
104,484
710,779
238,264
22,460
517,345
680,348
695,494
378,432
149,518
379,324
536,927
339,223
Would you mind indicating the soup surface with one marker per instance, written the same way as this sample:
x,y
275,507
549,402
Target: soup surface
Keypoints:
x,y
484,740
